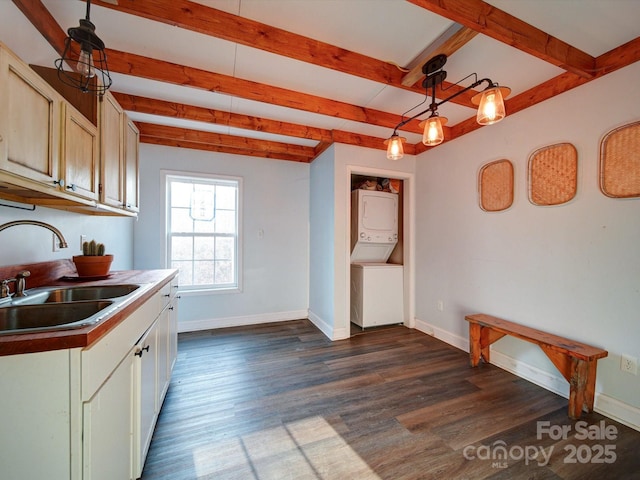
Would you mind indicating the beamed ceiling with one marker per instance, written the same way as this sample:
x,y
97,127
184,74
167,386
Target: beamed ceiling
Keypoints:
x,y
284,79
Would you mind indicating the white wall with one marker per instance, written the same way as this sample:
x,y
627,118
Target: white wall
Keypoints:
x,y
275,199
573,269
321,242
30,244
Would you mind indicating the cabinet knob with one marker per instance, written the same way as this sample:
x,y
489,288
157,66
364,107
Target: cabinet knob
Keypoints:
x,y
59,182
142,350
72,187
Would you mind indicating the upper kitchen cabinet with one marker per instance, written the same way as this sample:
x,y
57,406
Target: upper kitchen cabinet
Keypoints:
x,y
30,113
111,120
119,139
80,157
62,148
48,149
131,166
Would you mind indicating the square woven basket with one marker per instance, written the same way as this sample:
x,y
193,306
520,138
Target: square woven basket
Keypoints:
x,y
495,186
553,174
620,162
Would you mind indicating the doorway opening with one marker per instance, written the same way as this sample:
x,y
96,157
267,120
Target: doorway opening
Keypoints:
x,y
378,293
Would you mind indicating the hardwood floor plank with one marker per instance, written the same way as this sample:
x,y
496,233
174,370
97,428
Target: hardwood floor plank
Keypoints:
x,y
280,401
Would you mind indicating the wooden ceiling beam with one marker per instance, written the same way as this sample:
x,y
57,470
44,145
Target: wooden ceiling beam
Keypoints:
x,y
233,28
44,22
222,140
167,142
164,108
618,57
145,67
500,25
456,37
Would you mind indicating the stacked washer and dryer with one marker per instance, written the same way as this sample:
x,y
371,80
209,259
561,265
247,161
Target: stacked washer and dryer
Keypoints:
x,y
376,286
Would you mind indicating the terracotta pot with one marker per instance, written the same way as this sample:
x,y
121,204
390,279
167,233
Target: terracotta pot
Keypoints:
x,y
92,266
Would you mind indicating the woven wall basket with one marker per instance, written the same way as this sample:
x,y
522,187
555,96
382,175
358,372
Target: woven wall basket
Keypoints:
x,y
620,162
553,174
495,186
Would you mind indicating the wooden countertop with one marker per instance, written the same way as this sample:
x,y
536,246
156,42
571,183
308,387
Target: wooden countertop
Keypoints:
x,y
85,336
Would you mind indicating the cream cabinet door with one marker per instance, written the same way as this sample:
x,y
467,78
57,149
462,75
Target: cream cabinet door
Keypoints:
x,y
131,162
111,127
80,154
30,112
108,427
173,327
164,374
145,396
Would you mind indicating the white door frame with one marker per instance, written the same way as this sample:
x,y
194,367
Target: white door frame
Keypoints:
x,y
408,233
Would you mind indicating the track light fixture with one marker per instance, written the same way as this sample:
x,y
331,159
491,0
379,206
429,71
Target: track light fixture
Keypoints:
x,y
84,54
490,107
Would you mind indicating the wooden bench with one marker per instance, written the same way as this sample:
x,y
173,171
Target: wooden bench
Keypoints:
x,y
576,361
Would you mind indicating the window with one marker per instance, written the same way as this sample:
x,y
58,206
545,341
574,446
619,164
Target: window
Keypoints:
x,y
202,229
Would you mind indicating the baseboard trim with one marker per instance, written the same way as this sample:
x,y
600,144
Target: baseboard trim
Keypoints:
x,y
441,334
240,321
615,409
621,412
328,330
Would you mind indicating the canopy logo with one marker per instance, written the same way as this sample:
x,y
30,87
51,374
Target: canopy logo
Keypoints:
x,y
499,453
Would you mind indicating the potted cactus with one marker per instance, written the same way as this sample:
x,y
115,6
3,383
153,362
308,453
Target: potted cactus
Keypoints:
x,y
93,262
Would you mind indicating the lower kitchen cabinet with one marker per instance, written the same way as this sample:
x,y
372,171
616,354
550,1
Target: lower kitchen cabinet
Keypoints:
x,y
36,424
107,421
146,407
89,413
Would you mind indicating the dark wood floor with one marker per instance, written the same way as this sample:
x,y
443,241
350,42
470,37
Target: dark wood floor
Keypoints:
x,y
280,401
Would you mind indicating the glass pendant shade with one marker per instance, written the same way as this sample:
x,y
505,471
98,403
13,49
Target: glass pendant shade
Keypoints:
x,y
395,150
433,134
491,105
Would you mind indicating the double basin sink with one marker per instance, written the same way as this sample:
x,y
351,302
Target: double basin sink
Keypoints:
x,y
55,308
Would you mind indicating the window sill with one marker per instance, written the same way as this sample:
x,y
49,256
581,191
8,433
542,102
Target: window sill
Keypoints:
x,y
191,292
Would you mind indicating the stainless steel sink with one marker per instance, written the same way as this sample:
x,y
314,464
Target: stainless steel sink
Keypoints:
x,y
57,308
51,316
74,294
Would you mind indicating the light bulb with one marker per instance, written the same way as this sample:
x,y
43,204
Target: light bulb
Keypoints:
x,y
85,64
491,105
395,150
489,110
433,134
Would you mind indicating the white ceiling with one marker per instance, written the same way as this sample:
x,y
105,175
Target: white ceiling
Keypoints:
x,y
388,30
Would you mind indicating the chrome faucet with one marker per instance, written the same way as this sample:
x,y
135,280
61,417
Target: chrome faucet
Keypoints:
x,y
20,285
63,242
20,277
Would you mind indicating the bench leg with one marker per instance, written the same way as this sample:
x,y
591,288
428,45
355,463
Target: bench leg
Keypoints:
x,y
579,385
590,389
480,339
475,347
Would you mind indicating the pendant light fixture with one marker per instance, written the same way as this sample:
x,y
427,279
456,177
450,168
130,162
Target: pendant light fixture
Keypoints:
x,y
83,64
395,149
490,107
433,134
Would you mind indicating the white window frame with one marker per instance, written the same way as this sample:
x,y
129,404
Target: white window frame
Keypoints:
x,y
166,177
